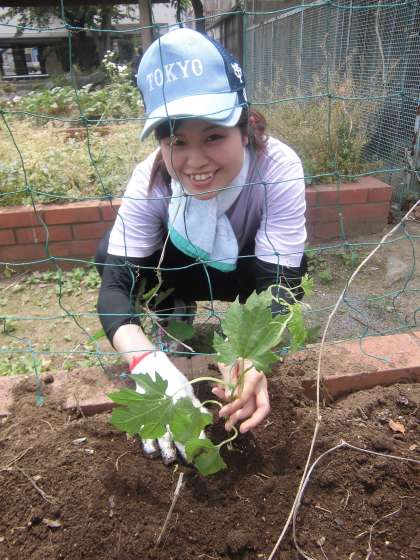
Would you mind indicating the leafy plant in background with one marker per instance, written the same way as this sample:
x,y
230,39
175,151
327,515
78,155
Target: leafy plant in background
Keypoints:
x,y
317,265
349,257
116,100
329,135
72,282
60,169
250,333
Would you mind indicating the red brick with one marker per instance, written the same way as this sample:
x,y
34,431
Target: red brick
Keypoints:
x,y
90,231
7,237
74,248
86,388
345,368
324,232
352,194
22,253
365,226
310,195
323,214
38,234
71,213
83,389
361,212
17,216
327,194
380,194
108,212
372,182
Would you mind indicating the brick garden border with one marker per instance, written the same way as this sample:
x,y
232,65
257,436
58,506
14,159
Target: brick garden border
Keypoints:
x,y
74,229
348,366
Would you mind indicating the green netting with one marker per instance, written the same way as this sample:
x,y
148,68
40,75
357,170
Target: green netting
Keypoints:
x,y
338,81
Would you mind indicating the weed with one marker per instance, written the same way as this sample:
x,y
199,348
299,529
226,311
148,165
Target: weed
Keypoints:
x,y
7,326
350,258
325,275
328,134
44,149
73,282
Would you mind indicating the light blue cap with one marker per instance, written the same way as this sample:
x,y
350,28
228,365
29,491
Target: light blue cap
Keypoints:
x,y
188,74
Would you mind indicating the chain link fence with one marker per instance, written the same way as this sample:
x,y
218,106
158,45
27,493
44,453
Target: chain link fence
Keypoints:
x,y
360,51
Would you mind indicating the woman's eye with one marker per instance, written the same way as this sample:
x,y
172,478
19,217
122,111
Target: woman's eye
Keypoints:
x,y
214,137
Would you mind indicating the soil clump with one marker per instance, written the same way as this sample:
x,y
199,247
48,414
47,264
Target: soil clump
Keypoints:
x,y
75,487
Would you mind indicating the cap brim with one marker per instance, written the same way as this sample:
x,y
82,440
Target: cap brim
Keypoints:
x,y
221,108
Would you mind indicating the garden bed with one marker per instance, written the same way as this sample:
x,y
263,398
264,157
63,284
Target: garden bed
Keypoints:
x,y
103,499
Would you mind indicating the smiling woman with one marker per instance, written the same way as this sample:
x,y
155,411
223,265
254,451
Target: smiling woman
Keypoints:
x,y
203,157
218,208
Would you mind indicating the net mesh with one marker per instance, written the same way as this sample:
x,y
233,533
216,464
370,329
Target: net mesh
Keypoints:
x,y
338,81
372,46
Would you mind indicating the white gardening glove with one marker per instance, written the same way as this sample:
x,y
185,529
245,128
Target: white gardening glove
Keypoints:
x,y
179,388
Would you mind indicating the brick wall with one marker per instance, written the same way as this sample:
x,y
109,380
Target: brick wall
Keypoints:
x,y
74,229
361,207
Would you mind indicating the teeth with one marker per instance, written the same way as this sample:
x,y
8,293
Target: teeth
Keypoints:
x,y
201,177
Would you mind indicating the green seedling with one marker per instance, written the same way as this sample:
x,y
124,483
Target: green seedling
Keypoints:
x,y
250,333
349,258
325,276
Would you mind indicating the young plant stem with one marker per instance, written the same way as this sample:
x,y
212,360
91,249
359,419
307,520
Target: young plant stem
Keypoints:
x,y
203,378
241,378
235,435
211,401
230,439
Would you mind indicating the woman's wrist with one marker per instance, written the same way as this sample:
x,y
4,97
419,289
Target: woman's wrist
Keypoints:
x,y
131,342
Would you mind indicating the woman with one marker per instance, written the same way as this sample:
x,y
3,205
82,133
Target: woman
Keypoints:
x,y
218,208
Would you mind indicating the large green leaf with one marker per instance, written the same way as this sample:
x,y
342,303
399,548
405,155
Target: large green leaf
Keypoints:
x,y
205,456
149,413
251,332
146,414
125,396
154,387
307,284
187,421
296,327
180,330
138,421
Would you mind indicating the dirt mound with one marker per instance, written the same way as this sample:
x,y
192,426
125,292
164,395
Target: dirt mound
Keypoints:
x,y
74,487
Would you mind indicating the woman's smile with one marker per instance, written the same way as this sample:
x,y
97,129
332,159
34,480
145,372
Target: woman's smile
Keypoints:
x,y
203,156
200,181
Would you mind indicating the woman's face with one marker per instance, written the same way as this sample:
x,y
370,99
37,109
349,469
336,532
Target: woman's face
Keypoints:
x,y
204,157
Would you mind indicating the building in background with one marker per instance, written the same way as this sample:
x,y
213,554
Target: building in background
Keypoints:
x,y
38,54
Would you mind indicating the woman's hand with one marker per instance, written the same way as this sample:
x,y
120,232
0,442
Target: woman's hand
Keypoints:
x,y
253,405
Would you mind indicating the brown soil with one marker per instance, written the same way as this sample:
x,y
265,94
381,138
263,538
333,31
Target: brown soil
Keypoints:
x,y
104,500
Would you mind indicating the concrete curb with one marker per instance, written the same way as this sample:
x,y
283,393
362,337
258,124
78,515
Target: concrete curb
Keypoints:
x,y
346,367
361,364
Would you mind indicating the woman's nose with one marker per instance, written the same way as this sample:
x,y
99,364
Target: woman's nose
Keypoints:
x,y
197,158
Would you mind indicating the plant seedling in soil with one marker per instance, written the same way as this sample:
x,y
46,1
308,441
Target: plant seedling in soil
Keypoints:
x,y
350,258
325,276
250,332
